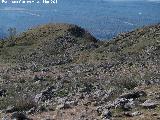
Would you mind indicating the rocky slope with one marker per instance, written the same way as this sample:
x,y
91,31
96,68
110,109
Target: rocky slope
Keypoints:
x,y
60,71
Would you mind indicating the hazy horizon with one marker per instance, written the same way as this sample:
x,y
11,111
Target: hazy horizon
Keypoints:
x,y
103,18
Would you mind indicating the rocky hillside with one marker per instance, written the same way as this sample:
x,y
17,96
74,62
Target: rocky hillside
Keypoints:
x,y
61,72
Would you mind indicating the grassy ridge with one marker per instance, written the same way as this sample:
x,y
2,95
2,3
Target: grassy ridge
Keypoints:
x,y
72,60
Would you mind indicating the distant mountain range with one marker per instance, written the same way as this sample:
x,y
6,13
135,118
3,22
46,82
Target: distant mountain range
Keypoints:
x,y
103,18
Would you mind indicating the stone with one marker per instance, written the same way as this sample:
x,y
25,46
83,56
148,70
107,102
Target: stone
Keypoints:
x,y
149,104
37,78
45,69
106,114
133,95
41,108
158,118
10,109
3,92
45,94
59,106
19,116
63,106
155,114
129,105
125,104
99,110
158,96
31,111
5,117
72,103
129,114
38,97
